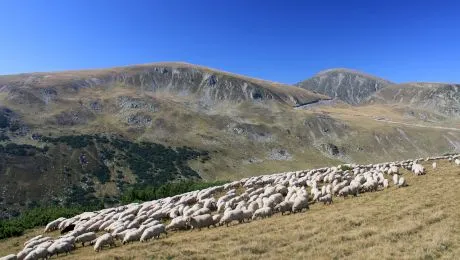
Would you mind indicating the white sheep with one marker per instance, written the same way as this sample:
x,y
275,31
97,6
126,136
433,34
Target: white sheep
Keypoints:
x,y
58,248
119,230
418,169
284,206
68,239
86,237
253,206
45,244
326,199
299,204
277,198
247,214
134,235
201,221
107,223
32,239
393,170
402,182
344,191
216,219
36,242
37,253
385,183
23,253
102,241
202,211
122,234
264,212
177,223
153,232
395,179
53,225
232,215
95,227
210,204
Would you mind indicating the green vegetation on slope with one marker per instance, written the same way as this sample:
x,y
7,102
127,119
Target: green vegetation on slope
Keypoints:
x,y
156,164
37,217
21,149
74,141
170,189
152,163
83,170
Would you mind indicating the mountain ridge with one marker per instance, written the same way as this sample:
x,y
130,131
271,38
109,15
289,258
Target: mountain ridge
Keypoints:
x,y
157,76
349,70
443,98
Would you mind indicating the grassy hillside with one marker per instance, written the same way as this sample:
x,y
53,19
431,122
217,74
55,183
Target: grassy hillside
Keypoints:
x,y
420,221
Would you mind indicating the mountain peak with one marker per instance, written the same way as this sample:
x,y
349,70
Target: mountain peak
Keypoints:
x,y
349,85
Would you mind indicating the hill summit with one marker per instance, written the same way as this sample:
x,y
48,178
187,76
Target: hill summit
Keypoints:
x,y
347,85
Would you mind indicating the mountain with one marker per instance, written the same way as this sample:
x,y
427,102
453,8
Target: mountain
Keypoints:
x,y
76,136
441,98
89,136
347,85
184,79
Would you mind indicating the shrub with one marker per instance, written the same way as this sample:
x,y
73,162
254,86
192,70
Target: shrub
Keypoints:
x,y
4,122
4,137
20,149
74,141
346,168
37,217
102,173
145,193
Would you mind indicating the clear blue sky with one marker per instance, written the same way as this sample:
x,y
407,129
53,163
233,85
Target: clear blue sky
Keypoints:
x,y
284,41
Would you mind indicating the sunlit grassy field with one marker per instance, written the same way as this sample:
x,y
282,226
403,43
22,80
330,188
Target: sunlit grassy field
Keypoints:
x,y
421,221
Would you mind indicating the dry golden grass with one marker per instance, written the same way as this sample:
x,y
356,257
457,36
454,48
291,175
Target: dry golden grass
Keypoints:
x,y
421,221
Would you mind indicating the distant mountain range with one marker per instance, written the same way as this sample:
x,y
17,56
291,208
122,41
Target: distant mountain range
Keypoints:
x,y
356,88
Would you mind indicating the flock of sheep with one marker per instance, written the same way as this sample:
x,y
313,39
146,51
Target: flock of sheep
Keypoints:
x,y
239,201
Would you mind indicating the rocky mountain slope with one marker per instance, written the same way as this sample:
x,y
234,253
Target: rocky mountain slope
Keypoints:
x,y
347,85
183,79
86,136
444,99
